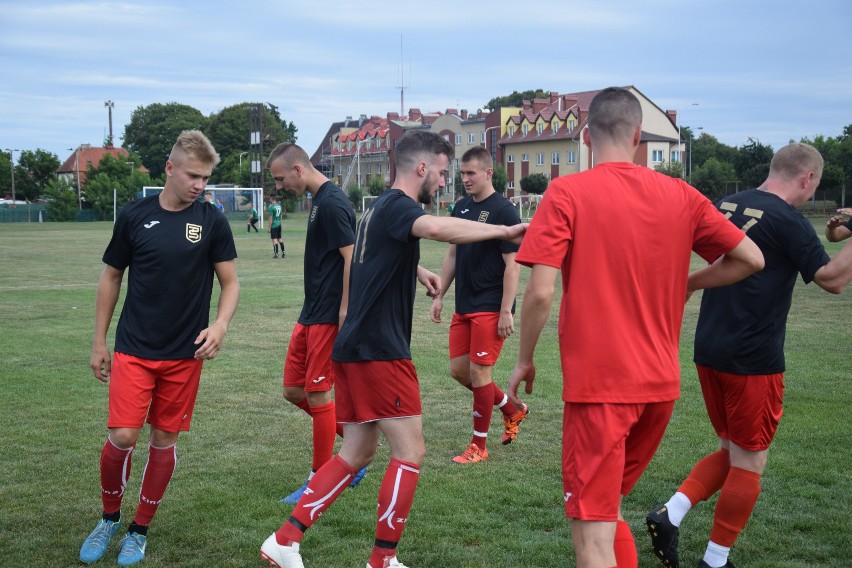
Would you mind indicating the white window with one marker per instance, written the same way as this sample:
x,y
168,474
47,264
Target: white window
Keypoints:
x,y
572,157
511,131
458,138
656,156
482,138
447,137
511,158
525,157
675,156
539,159
378,168
554,158
511,185
526,129
570,125
540,128
369,169
470,137
555,127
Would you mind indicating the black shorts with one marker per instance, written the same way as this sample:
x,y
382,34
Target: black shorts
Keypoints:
x,y
275,232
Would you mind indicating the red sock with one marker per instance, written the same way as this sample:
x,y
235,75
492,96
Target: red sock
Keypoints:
x,y
483,405
325,486
324,431
706,477
303,404
115,471
625,546
502,402
155,479
736,502
396,496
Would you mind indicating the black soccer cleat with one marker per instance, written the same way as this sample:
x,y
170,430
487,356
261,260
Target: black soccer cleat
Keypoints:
x,y
664,536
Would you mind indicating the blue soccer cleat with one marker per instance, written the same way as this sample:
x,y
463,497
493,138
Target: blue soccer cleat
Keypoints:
x,y
96,543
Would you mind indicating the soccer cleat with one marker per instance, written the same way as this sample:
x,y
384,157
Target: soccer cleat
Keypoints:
x,y
472,455
664,536
275,256
294,497
279,556
358,477
703,564
132,549
391,562
513,425
96,543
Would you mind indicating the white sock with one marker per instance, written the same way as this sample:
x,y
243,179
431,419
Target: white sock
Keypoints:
x,y
678,506
716,555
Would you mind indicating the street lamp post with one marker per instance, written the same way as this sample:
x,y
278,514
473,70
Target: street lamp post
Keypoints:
x,y
679,154
691,137
77,169
12,168
493,150
241,162
109,105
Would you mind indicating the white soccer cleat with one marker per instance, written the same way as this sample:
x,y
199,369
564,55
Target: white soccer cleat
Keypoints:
x,y
391,563
281,556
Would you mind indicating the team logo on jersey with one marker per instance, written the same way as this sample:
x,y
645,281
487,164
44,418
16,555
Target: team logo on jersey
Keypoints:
x,y
483,216
314,210
193,232
151,224
465,211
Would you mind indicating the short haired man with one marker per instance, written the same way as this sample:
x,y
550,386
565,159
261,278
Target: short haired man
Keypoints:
x,y
622,236
486,276
251,222
173,246
739,352
376,383
308,376
274,211
836,229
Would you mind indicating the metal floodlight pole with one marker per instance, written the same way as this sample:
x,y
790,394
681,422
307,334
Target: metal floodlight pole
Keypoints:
x,y
679,154
109,105
77,169
12,169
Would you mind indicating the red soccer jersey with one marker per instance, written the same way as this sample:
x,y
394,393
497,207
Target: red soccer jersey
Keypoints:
x,y
622,235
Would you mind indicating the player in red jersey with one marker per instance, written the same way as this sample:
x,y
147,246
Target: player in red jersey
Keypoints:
x,y
376,383
622,236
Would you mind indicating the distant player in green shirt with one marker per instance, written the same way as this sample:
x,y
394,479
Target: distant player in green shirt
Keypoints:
x,y
274,211
252,220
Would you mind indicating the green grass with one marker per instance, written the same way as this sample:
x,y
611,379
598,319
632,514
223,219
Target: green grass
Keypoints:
x,y
248,447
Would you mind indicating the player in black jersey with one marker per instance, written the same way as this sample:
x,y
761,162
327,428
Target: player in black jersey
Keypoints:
x,y
739,351
173,245
376,383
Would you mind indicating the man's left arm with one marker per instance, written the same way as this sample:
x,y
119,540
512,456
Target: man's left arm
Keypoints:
x,y
346,253
506,323
210,339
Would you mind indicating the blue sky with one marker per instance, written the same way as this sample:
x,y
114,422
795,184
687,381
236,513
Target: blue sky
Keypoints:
x,y
770,70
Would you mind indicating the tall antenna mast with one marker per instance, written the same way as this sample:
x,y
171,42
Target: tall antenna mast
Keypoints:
x,y
402,86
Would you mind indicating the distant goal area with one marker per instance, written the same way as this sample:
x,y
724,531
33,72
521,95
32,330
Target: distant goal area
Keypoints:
x,y
236,201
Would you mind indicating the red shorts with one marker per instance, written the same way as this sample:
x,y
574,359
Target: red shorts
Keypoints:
x,y
744,409
162,391
605,449
375,390
308,362
476,334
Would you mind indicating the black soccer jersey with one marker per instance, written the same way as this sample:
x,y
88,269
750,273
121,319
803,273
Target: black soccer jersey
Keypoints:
x,y
170,255
331,225
382,283
480,266
741,327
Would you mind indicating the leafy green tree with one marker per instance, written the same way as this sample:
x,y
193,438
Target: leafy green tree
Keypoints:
x,y
458,186
500,179
114,173
376,185
62,200
535,183
6,171
153,129
35,169
671,169
712,177
355,195
752,162
707,146
229,131
516,99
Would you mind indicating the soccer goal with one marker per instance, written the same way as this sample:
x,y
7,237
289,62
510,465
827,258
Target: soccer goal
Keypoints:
x,y
236,201
526,205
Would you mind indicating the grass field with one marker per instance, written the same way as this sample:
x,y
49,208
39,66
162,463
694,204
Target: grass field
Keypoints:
x,y
248,447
